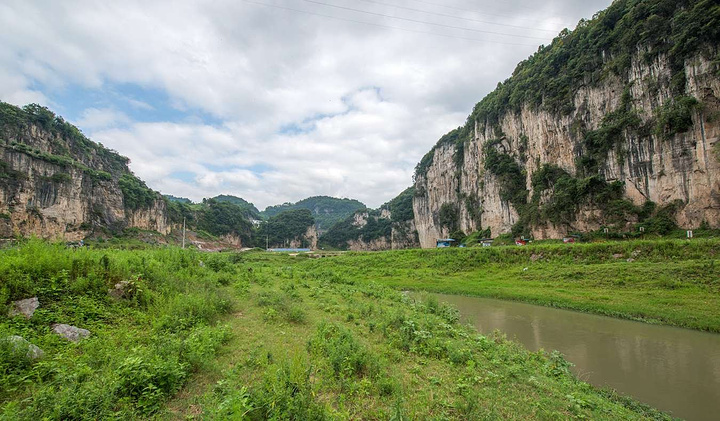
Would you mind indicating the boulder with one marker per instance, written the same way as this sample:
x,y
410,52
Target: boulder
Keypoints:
x,y
20,345
71,333
120,291
25,307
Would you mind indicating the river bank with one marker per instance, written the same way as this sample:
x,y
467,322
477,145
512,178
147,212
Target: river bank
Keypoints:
x,y
672,282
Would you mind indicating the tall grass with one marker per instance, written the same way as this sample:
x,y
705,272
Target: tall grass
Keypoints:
x,y
142,348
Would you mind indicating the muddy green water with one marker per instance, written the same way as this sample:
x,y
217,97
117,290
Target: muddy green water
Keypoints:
x,y
676,370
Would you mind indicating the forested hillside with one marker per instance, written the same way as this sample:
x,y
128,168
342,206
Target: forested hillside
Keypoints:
x,y
326,210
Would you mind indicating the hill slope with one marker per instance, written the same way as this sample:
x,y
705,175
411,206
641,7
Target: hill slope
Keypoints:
x,y
326,210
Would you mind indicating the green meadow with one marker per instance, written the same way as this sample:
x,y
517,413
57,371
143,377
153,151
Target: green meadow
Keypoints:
x,y
268,336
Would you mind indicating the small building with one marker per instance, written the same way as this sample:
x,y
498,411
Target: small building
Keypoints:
x,y
447,242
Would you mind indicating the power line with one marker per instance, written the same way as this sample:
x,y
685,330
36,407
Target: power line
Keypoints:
x,y
421,21
458,17
477,11
385,26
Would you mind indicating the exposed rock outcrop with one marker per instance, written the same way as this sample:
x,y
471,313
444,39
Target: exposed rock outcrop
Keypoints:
x,y
71,333
665,151
57,184
24,307
20,345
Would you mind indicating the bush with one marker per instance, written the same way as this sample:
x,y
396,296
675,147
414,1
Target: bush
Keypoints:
x,y
347,357
149,380
286,394
676,116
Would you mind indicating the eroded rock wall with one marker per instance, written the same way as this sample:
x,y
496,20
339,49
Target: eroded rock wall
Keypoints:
x,y
653,167
50,198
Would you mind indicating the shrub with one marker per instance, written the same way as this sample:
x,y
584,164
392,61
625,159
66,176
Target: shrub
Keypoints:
x,y
347,357
148,380
286,394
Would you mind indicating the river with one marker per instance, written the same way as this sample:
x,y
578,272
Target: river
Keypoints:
x,y
672,369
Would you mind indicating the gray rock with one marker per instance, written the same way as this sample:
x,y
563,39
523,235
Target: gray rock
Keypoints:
x,y
19,344
618,256
120,291
25,307
71,333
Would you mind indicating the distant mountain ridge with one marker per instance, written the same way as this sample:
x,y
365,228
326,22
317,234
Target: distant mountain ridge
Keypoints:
x,y
326,210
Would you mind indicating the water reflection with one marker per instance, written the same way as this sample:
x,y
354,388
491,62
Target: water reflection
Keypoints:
x,y
676,370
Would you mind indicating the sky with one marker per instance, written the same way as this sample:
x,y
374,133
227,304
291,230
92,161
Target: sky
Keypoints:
x,y
270,100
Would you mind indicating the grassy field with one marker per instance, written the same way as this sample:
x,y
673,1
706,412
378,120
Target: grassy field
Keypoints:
x,y
260,336
672,282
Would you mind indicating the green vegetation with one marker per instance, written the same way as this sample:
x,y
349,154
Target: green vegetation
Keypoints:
x,y
363,351
602,46
7,174
676,116
285,227
375,228
454,138
172,198
233,217
569,193
510,175
247,207
326,338
142,347
672,282
75,146
401,207
60,177
136,195
610,135
549,80
222,218
327,211
597,48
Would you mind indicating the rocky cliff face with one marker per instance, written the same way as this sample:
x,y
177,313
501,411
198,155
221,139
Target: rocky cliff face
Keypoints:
x,y
664,149
308,240
53,186
373,231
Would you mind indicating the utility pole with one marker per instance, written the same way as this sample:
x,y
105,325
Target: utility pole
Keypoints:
x,y
267,242
183,246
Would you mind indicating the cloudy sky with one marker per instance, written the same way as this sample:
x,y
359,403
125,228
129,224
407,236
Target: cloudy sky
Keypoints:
x,y
270,100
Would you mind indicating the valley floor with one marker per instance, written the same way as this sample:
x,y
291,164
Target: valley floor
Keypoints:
x,y
266,336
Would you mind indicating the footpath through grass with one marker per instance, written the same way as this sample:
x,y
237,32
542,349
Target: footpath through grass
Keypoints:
x,y
671,282
259,336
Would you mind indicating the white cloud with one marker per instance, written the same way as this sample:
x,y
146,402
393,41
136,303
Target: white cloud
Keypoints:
x,y
101,118
368,101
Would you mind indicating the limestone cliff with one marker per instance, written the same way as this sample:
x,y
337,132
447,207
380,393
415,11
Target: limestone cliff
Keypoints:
x,y
307,240
55,183
633,126
390,227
